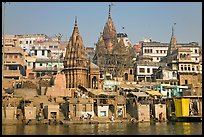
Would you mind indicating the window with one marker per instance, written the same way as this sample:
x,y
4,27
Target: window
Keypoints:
x,y
28,63
30,42
182,67
150,50
142,70
55,46
131,72
35,52
101,75
157,58
196,51
164,51
40,64
50,47
181,56
103,113
189,68
15,56
186,82
43,52
184,56
20,42
196,58
148,70
185,67
193,69
157,51
26,42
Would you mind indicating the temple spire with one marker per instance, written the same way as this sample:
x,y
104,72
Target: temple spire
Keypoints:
x,y
75,20
172,45
173,29
109,12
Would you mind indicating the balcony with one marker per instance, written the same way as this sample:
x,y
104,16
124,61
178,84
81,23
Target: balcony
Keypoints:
x,y
12,73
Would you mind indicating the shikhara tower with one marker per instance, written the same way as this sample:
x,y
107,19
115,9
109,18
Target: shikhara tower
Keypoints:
x,y
75,61
112,56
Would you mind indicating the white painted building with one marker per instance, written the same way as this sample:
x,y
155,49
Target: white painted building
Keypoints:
x,y
155,50
26,41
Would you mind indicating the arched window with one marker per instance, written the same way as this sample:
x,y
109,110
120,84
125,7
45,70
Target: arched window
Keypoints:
x,y
94,83
126,76
181,56
131,72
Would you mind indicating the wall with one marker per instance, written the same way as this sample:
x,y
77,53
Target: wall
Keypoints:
x,y
158,108
30,112
143,112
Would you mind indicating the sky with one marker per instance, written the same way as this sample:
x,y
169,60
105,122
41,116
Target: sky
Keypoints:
x,y
139,19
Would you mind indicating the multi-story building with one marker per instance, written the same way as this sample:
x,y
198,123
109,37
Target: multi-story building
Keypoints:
x,y
164,75
156,50
56,48
14,63
10,40
144,68
26,41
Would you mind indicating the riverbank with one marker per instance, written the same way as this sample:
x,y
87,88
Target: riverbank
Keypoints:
x,y
68,122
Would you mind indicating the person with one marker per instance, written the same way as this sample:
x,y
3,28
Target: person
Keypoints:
x,y
69,115
17,115
78,94
160,116
112,118
83,96
132,119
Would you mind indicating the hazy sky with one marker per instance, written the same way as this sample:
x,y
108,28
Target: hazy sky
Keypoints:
x,y
140,19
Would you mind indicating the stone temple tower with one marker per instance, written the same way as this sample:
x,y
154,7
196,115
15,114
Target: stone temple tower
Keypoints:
x,y
172,45
75,61
109,33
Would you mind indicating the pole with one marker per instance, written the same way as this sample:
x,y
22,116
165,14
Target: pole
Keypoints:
x,y
4,29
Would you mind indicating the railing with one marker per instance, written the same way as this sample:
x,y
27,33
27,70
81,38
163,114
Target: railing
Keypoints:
x,y
11,72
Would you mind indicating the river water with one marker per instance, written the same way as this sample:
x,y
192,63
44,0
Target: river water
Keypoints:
x,y
146,128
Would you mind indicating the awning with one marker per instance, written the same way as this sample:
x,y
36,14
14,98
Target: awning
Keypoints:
x,y
154,93
126,86
140,94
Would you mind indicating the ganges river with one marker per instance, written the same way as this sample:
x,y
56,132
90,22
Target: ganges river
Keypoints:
x,y
146,128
